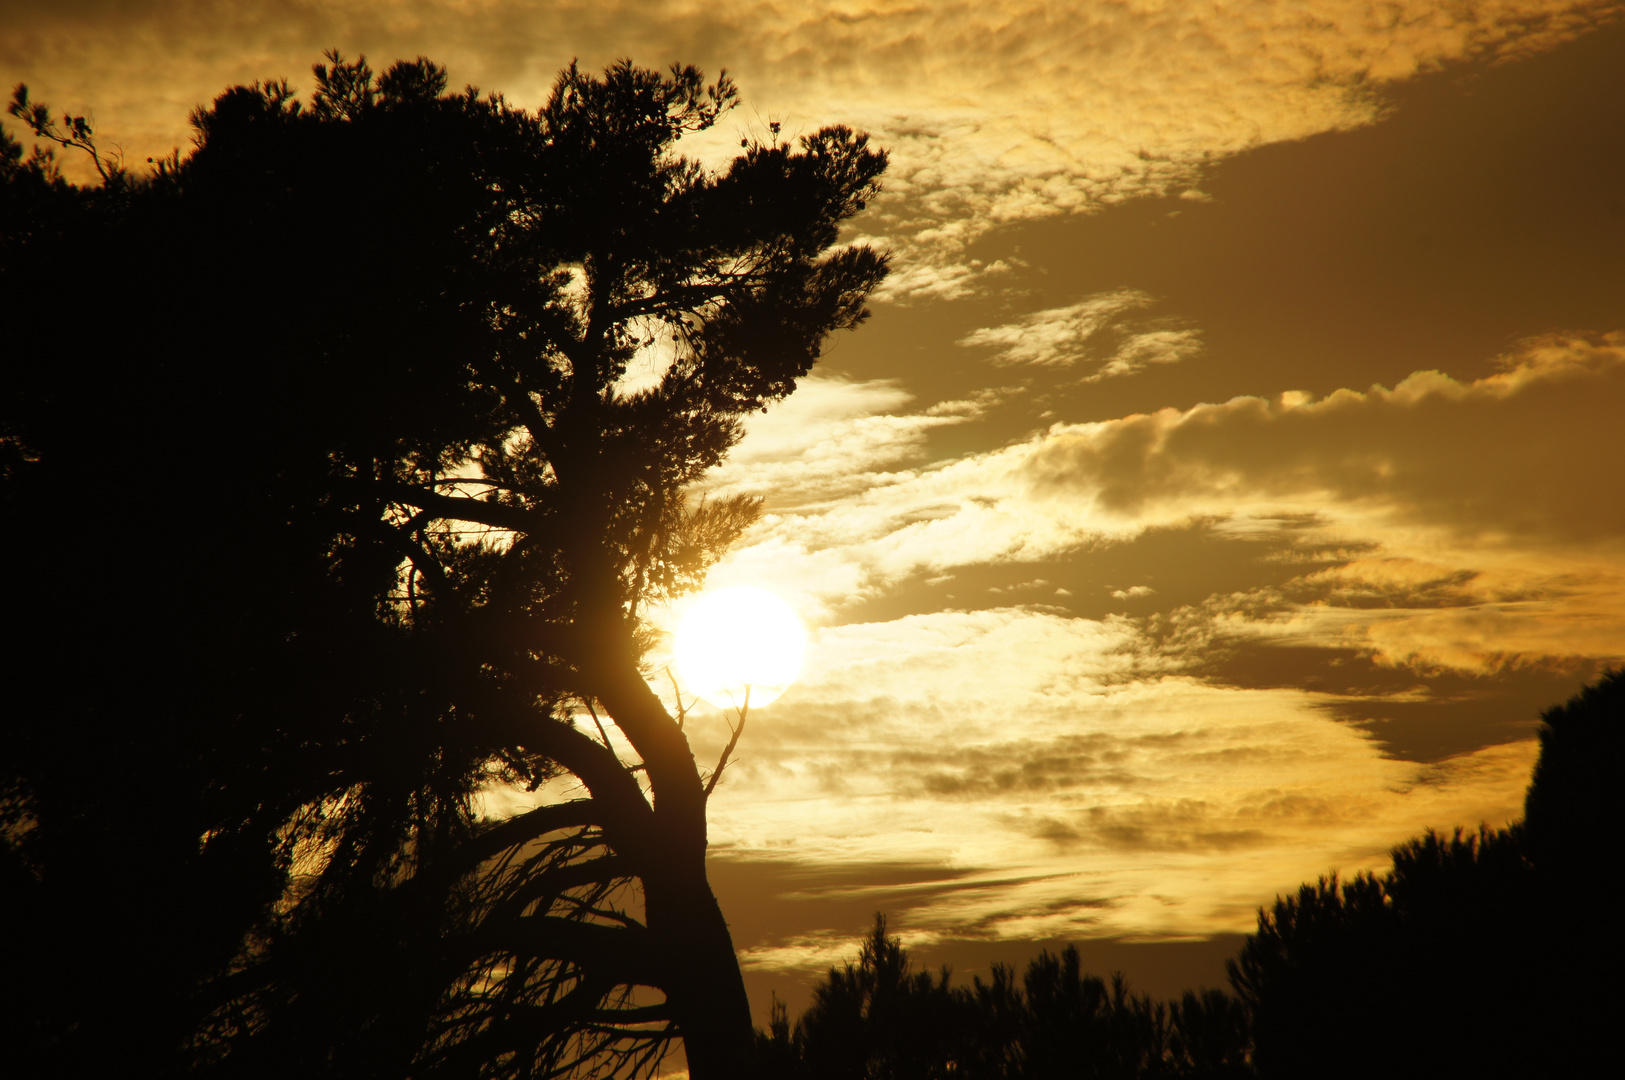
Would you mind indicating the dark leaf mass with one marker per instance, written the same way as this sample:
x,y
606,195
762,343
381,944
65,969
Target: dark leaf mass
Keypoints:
x,y
330,506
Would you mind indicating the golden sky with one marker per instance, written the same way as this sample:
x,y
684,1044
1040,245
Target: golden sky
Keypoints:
x,y
1229,474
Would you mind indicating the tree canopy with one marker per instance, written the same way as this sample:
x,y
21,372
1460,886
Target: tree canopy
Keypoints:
x,y
343,455
881,1017
1482,953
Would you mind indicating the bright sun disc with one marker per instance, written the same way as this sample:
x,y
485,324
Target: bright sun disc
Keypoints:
x,y
737,637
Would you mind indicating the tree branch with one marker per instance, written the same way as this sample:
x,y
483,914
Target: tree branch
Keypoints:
x,y
620,806
621,955
452,507
520,829
683,297
727,751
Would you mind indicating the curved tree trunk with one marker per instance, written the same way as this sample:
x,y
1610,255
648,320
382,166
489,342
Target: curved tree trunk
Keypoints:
x,y
703,984
705,990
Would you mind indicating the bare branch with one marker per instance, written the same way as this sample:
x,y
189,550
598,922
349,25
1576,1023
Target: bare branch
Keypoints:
x,y
727,751
677,693
602,734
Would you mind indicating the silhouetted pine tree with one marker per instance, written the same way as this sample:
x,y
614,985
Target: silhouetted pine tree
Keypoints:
x,y
1484,954
328,507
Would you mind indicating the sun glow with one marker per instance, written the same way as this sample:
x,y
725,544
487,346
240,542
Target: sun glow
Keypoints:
x,y
736,640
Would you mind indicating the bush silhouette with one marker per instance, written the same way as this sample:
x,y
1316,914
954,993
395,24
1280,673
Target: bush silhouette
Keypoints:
x,y
879,1017
1481,954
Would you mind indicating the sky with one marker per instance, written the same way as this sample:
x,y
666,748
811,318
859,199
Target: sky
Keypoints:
x,y
1229,474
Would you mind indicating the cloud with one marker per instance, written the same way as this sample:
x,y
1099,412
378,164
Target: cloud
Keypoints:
x,y
1509,457
1069,786
830,435
1490,508
995,112
1441,523
1065,336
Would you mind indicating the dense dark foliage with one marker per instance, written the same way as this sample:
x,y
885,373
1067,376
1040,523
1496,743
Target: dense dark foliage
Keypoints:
x,y
1481,954
327,507
879,1019
1428,970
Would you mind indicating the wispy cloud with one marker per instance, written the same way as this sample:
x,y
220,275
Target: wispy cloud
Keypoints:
x,y
1114,99
1148,807
1067,336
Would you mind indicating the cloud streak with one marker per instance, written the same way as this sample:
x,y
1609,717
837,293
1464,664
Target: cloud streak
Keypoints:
x,y
1086,800
1066,336
996,112
1511,455
1494,491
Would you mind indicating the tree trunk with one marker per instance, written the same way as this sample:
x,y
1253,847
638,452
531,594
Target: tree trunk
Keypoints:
x,y
703,984
705,990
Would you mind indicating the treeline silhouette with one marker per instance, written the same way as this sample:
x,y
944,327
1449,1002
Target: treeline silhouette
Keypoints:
x,y
1485,953
879,1017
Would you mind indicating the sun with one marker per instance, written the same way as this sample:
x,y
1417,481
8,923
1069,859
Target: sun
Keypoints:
x,y
737,638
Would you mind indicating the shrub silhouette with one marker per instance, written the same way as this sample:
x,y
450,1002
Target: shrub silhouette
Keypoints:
x,y
1481,954
880,1018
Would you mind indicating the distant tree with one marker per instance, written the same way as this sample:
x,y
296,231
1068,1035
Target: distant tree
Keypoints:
x,y
1484,954
1423,971
336,507
879,1018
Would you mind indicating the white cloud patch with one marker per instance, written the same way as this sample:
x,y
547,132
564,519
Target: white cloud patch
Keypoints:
x,y
833,436
1138,349
1067,336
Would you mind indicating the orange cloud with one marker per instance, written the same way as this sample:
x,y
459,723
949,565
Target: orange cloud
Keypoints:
x,y
996,112
1514,457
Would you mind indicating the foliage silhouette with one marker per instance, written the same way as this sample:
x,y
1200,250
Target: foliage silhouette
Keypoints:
x,y
879,1019
1573,789
338,507
1423,971
1479,954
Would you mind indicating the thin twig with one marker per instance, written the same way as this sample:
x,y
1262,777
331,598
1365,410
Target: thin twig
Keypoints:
x,y
677,692
601,732
722,762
